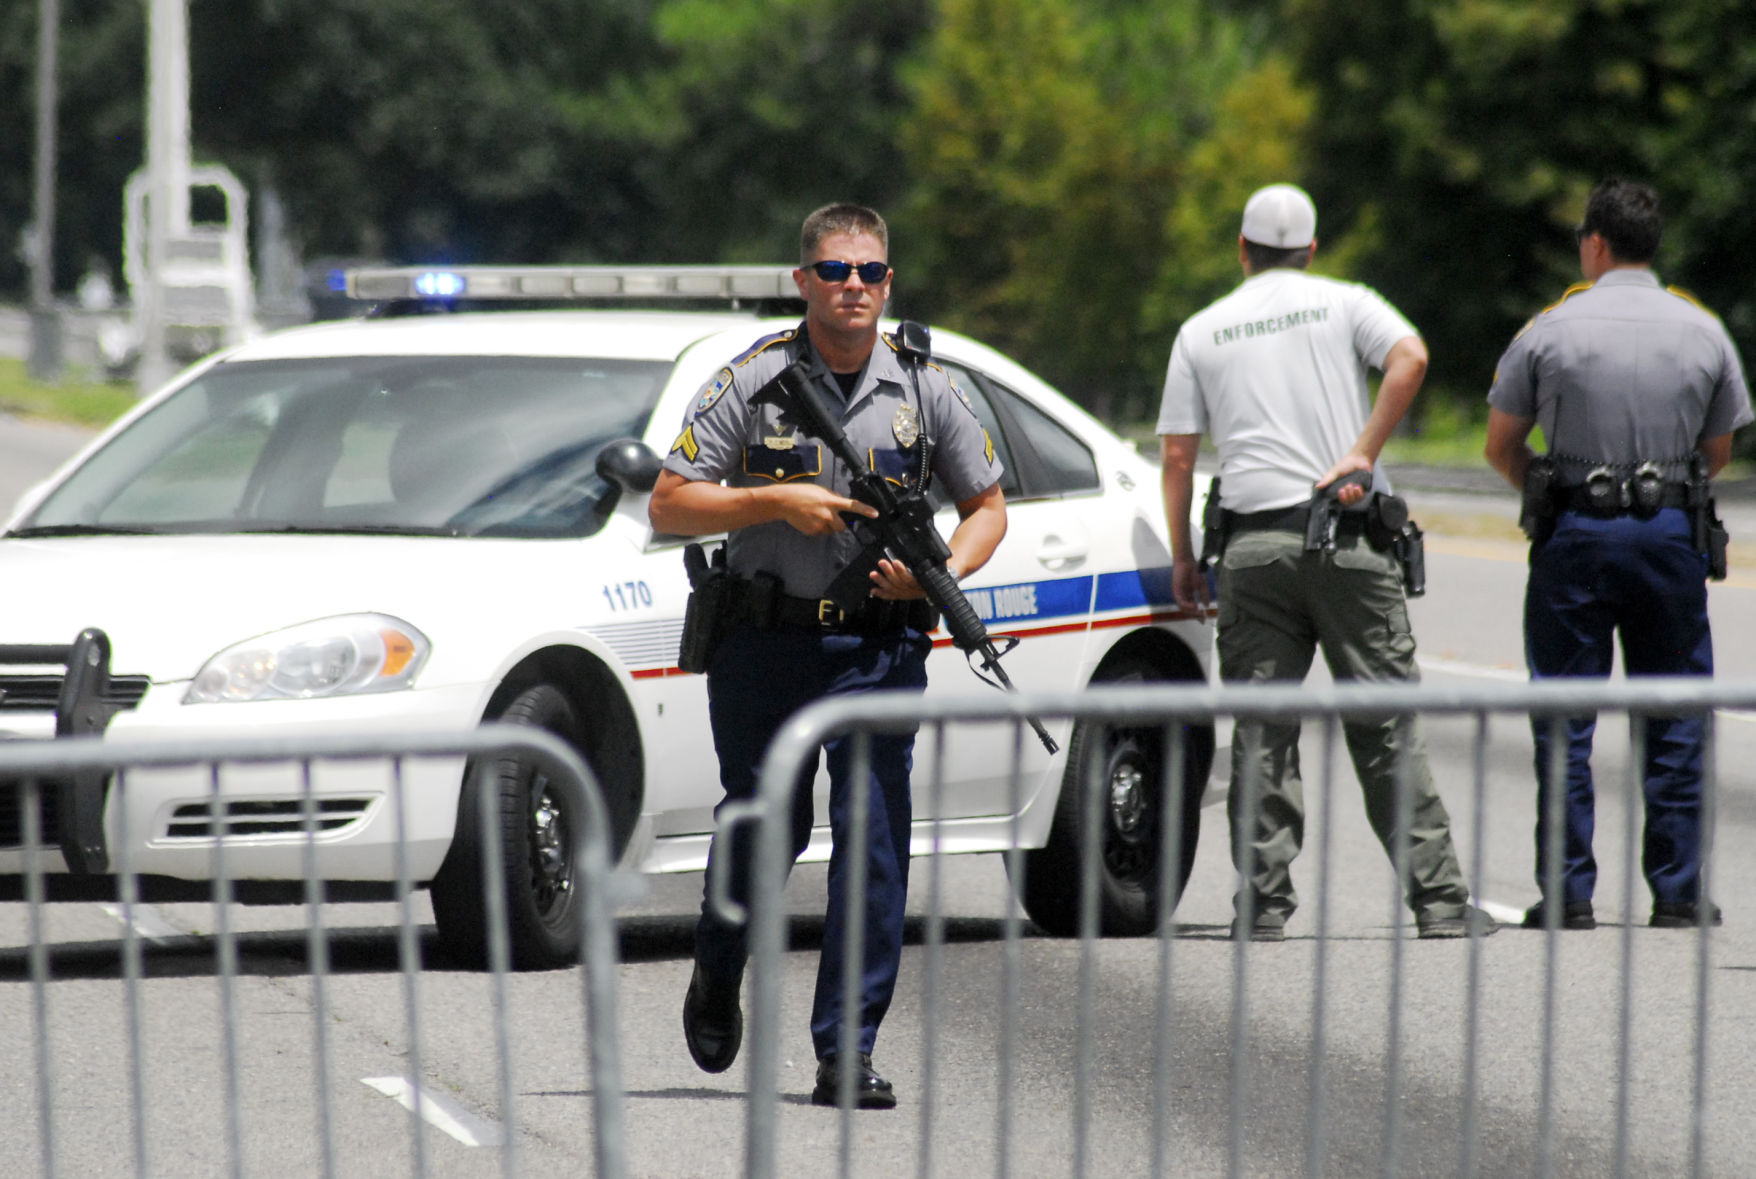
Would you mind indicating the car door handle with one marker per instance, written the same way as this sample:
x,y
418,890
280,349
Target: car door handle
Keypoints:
x,y
1055,552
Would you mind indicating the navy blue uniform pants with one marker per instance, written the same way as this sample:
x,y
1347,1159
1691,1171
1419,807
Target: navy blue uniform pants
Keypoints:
x,y
757,680
1641,578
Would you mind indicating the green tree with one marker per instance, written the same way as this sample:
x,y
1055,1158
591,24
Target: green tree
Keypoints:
x,y
546,130
1467,133
757,112
102,78
1022,193
1257,138
428,129
1052,144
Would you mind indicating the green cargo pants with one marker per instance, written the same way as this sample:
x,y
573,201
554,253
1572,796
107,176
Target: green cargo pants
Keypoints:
x,y
1277,604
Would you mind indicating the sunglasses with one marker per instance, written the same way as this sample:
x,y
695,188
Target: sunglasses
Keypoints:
x,y
869,272
1580,233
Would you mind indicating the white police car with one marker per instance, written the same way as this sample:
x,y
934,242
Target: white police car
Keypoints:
x,y
430,520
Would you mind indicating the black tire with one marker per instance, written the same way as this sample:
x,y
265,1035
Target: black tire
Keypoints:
x,y
538,825
1132,774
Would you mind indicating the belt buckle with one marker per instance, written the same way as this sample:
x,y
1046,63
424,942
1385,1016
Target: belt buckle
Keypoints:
x,y
829,614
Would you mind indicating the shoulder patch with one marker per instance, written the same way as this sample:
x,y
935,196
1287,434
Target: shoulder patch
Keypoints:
x,y
1567,294
686,443
961,395
762,345
1687,297
714,391
987,446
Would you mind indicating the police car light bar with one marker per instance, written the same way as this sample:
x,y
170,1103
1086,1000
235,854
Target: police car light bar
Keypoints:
x,y
563,283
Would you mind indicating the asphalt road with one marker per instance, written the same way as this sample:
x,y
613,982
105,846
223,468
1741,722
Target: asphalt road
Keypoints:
x,y
30,452
681,1122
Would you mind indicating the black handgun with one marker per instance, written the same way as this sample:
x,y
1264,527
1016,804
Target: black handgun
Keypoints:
x,y
903,530
1326,509
1213,528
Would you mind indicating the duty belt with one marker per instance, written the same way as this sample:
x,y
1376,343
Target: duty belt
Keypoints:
x,y
1293,519
878,616
1577,498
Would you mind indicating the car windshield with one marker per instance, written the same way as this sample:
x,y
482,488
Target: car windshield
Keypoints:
x,y
455,446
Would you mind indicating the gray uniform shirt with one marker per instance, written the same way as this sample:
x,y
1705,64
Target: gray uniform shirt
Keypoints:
x,y
726,438
1623,371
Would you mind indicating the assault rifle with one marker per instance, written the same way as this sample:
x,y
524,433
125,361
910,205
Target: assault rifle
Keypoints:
x,y
903,530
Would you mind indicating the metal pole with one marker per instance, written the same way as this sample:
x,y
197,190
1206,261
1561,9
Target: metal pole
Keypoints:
x,y
167,166
45,347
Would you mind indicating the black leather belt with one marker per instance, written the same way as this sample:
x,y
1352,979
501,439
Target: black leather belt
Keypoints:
x,y
1293,519
878,616
1577,499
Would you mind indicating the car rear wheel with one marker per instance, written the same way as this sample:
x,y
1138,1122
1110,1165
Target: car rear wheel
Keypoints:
x,y
1130,773
538,824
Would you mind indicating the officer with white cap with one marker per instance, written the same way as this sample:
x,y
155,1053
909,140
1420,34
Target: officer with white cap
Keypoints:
x,y
1275,372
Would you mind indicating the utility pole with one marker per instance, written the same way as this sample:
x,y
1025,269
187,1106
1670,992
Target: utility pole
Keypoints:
x,y
167,166
45,346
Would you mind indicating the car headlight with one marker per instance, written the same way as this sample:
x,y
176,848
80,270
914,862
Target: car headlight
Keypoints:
x,y
342,656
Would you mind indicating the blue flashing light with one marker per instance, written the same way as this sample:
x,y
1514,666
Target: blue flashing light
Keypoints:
x,y
439,284
336,281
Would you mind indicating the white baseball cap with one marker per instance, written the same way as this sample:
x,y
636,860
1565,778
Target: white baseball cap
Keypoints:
x,y
1281,216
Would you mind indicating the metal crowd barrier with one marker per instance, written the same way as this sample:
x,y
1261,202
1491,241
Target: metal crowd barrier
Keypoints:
x,y
1240,1084
31,768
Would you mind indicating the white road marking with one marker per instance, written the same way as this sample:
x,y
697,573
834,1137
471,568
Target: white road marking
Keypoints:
x,y
1508,675
147,923
1478,670
439,1112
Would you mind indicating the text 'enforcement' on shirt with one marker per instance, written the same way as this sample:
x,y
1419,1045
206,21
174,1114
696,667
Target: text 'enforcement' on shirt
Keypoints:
x,y
1267,327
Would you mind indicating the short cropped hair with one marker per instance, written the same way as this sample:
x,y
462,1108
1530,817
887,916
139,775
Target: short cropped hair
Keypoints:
x,y
1263,257
1626,215
840,218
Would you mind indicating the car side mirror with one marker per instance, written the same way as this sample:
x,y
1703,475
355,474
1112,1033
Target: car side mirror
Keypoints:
x,y
630,464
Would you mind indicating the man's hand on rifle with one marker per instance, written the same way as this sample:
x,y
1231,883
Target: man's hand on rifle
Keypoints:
x,y
893,582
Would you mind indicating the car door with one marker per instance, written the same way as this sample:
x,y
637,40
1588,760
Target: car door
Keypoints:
x,y
1037,588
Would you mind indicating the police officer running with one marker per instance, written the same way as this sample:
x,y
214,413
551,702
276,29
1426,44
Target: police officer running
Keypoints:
x,y
783,501
1637,389
1276,373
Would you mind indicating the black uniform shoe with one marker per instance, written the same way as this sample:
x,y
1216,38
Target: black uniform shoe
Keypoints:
x,y
1683,915
1472,922
871,1091
1574,915
713,1023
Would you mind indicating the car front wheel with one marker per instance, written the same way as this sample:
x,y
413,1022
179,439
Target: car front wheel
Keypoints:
x,y
538,823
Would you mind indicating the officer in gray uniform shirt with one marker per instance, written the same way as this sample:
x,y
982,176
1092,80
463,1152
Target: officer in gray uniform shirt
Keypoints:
x,y
782,501
1275,372
1634,385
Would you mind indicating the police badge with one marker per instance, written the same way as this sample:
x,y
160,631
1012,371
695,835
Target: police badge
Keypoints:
x,y
906,425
